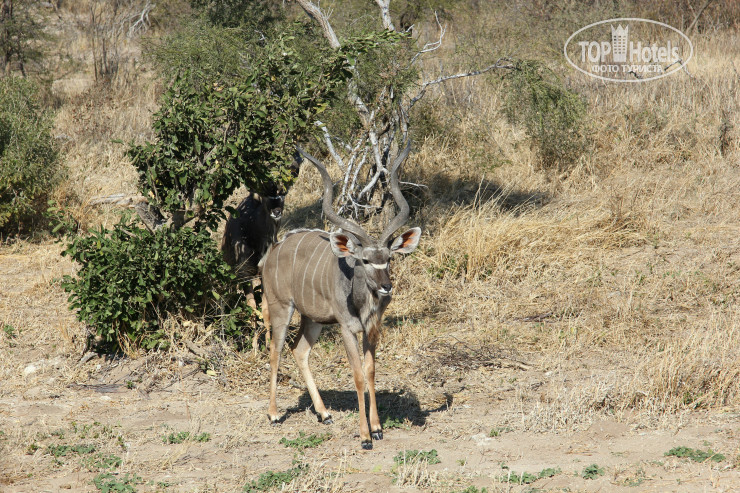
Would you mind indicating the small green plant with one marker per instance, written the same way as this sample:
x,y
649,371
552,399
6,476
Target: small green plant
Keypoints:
x,y
695,454
273,480
406,456
107,482
184,436
516,478
102,462
391,422
549,472
62,450
528,478
473,489
305,441
637,480
32,448
497,432
592,472
9,331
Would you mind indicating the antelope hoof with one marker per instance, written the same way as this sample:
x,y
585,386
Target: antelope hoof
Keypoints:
x,y
377,435
327,420
367,445
274,422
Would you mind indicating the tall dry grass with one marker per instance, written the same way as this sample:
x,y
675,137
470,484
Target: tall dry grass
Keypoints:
x,y
629,257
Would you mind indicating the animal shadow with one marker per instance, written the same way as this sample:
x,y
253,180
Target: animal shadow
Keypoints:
x,y
393,407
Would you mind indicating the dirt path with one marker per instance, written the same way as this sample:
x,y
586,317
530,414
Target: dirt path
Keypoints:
x,y
159,423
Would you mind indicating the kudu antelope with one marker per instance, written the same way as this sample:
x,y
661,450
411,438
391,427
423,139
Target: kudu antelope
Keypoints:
x,y
341,277
247,238
249,235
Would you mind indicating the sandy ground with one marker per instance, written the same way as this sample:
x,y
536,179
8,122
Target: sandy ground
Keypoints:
x,y
471,414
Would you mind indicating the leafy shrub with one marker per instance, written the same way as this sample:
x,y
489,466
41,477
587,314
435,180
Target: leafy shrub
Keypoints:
x,y
215,131
131,278
29,166
233,13
553,115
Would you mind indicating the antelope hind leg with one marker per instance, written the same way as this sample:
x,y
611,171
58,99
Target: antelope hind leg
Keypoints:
x,y
307,337
279,318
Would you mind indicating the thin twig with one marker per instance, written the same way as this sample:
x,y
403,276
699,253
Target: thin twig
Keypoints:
x,y
444,78
433,45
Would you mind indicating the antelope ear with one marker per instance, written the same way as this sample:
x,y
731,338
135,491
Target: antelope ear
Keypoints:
x,y
341,245
406,242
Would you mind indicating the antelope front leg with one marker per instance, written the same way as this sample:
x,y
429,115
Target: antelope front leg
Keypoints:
x,y
353,356
369,344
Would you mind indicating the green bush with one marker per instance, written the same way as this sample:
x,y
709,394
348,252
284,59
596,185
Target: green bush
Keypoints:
x,y
553,115
130,279
214,133
256,14
220,125
213,136
29,165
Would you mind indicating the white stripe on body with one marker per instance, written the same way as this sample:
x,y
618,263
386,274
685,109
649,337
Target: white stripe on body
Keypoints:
x,y
305,270
277,266
295,250
324,291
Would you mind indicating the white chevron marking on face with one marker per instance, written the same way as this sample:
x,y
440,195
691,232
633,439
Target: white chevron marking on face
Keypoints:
x,y
380,266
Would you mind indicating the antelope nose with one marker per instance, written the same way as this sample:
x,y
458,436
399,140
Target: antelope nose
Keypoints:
x,y
385,289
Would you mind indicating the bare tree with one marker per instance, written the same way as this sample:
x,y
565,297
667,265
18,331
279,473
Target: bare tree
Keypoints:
x,y
21,33
384,121
111,22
